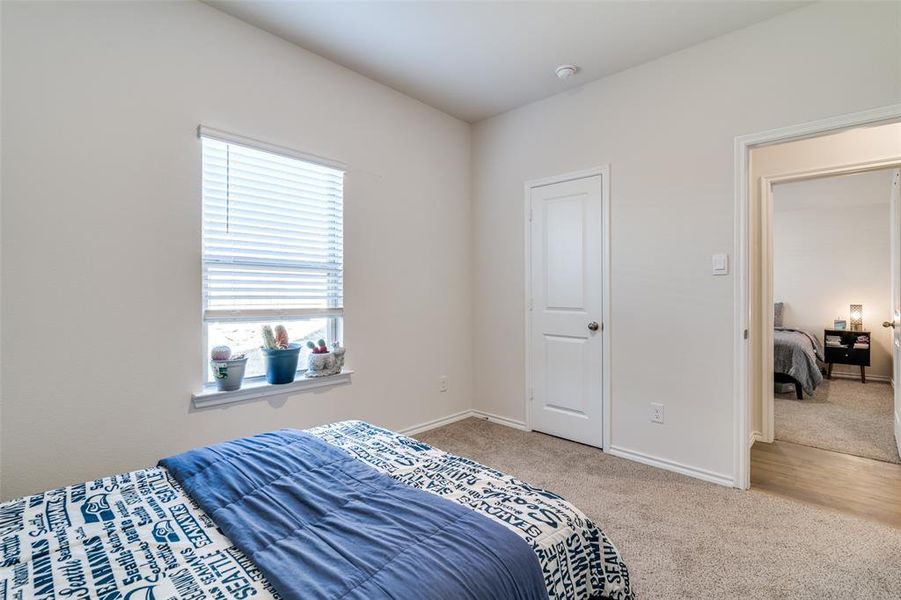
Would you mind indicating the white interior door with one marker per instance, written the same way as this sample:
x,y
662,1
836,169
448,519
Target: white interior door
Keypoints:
x,y
896,299
566,307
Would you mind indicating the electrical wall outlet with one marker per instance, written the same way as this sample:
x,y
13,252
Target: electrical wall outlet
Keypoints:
x,y
656,412
442,383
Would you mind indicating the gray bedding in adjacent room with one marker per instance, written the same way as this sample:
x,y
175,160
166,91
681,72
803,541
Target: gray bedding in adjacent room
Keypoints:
x,y
795,353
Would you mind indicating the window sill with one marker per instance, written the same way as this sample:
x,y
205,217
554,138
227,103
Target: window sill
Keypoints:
x,y
259,388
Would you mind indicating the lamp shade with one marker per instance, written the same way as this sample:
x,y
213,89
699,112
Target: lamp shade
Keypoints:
x,y
857,317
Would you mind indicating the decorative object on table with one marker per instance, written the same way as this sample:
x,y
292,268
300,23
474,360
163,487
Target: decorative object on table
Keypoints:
x,y
839,324
323,363
281,360
228,370
857,317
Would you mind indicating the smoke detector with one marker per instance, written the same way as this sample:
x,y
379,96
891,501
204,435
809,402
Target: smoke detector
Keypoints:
x,y
564,72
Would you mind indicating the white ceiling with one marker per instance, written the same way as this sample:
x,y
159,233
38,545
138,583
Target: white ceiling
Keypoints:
x,y
477,59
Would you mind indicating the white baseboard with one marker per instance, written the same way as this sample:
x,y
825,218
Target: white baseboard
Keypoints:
x,y
669,465
853,375
756,436
506,421
435,423
898,431
464,414
660,463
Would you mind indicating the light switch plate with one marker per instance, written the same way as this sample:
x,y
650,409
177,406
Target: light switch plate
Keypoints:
x,y
720,264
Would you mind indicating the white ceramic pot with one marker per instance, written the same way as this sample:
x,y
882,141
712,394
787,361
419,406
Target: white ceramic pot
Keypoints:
x,y
229,374
320,364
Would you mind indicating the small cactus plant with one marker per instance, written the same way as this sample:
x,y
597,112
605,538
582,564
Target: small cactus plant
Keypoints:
x,y
318,348
269,341
281,336
220,353
277,339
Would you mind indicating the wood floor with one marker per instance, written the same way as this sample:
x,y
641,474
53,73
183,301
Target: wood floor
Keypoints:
x,y
851,484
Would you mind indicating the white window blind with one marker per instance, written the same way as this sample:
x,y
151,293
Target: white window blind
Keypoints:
x,y
272,234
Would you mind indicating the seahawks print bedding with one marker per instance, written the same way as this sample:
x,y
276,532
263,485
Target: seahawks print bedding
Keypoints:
x,y
140,535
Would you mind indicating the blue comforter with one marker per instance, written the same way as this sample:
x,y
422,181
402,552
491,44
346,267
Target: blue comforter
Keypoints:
x,y
320,524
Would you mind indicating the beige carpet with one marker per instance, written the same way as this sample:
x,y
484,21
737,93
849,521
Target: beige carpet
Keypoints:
x,y
843,415
684,538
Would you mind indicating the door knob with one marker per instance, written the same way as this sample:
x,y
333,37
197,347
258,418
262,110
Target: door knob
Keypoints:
x,y
593,326
888,324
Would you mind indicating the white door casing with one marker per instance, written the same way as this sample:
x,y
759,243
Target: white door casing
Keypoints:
x,y
566,301
895,218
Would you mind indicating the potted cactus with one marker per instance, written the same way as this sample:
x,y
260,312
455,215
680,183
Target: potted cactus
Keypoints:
x,y
281,355
228,369
323,362
319,359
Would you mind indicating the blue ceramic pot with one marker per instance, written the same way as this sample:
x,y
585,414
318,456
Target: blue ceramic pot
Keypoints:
x,y
281,365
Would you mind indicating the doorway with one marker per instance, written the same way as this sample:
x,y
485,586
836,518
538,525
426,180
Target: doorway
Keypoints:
x,y
750,253
766,164
567,308
832,241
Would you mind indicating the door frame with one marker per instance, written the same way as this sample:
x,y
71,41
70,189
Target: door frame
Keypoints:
x,y
743,436
768,421
895,217
604,172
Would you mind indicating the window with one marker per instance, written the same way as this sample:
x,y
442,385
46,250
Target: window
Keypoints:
x,y
272,246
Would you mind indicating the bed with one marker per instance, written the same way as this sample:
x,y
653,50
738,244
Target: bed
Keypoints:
x,y
795,355
347,510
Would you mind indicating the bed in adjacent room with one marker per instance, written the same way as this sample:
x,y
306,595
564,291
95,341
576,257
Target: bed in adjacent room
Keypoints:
x,y
347,510
795,355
